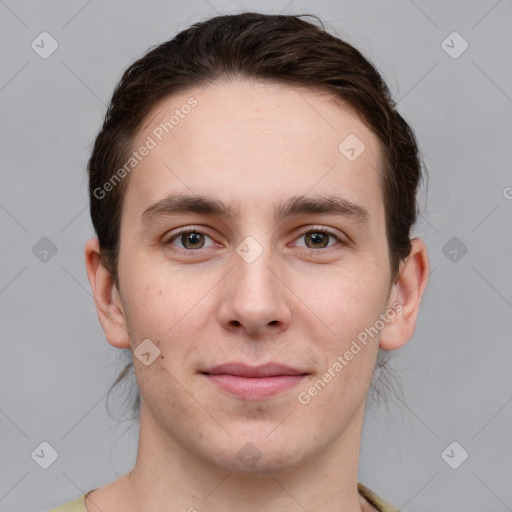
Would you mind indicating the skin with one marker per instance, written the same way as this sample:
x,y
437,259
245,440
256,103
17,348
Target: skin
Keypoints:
x,y
299,303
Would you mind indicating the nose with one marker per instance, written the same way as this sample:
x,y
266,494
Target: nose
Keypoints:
x,y
254,300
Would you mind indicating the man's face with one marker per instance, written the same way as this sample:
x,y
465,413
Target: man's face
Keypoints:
x,y
262,285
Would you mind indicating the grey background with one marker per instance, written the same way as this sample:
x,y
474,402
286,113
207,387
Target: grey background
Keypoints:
x,y
56,367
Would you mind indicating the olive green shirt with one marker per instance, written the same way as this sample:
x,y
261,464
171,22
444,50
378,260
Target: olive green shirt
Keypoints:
x,y
78,505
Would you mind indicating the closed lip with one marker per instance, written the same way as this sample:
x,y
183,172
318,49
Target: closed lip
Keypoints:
x,y
261,371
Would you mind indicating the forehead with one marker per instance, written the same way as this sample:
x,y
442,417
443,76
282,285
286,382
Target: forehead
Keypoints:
x,y
248,143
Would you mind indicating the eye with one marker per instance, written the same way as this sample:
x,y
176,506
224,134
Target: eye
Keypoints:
x,y
318,238
190,239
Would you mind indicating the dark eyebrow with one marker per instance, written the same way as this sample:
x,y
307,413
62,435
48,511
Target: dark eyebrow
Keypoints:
x,y
294,206
325,205
181,203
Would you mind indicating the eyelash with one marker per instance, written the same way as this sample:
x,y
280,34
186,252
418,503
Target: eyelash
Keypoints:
x,y
316,230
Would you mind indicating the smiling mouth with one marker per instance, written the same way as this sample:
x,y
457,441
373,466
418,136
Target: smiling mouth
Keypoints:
x,y
254,383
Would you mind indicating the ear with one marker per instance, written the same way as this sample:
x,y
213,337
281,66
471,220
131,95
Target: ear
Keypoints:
x,y
405,297
106,297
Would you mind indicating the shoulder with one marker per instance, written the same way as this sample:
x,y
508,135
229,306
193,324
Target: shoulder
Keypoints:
x,y
380,504
76,505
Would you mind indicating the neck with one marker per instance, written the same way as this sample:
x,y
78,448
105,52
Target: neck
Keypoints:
x,y
166,477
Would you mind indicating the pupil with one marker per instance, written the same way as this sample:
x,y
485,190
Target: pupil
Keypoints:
x,y
318,238
193,239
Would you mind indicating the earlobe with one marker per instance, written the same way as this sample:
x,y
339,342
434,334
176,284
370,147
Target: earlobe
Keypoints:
x,y
108,304
407,291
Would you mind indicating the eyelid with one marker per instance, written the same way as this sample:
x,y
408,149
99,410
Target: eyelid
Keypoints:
x,y
170,238
317,228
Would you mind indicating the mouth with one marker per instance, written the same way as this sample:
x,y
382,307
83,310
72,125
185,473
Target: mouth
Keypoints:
x,y
254,382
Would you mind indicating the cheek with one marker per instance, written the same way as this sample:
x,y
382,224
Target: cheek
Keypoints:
x,y
345,307
344,302
160,299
